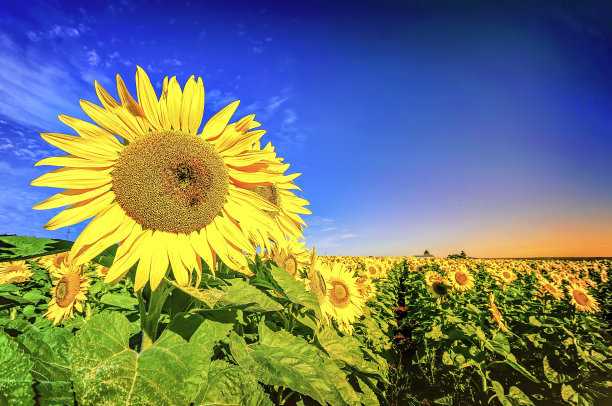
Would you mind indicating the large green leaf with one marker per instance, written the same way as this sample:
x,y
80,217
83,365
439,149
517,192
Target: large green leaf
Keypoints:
x,y
230,385
295,290
346,349
17,247
15,377
208,296
282,359
49,349
511,360
106,371
247,297
119,300
553,375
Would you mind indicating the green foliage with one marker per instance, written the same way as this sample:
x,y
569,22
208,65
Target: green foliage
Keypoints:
x,y
15,377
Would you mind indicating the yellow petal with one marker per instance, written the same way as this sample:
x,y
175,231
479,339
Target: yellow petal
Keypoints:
x,y
186,103
200,245
147,98
76,162
187,254
175,96
108,220
234,234
143,271
81,147
133,108
71,196
161,262
219,121
92,132
106,119
80,211
178,269
107,101
163,106
127,254
74,178
196,111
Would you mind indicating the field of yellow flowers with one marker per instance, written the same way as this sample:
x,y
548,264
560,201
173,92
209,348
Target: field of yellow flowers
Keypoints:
x,y
346,330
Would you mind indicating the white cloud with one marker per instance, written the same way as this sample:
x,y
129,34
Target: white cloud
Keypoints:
x,y
92,57
175,62
33,36
63,32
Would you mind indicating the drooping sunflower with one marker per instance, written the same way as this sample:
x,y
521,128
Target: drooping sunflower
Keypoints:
x,y
167,194
497,317
68,293
289,206
547,288
461,279
14,272
344,303
582,300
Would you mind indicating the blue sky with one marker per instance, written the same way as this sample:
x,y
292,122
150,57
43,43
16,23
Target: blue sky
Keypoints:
x,y
480,127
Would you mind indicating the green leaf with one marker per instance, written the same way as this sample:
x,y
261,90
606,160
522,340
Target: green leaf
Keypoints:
x,y
499,391
210,297
285,360
534,322
295,290
15,378
367,395
106,371
519,396
500,344
511,360
49,349
553,375
210,333
241,294
9,287
569,394
444,400
119,300
436,333
17,247
346,349
228,384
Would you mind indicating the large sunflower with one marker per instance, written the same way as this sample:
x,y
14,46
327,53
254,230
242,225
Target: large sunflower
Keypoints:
x,y
167,194
69,292
582,300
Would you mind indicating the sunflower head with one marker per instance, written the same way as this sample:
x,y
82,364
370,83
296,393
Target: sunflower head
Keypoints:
x,y
68,293
14,272
462,280
582,300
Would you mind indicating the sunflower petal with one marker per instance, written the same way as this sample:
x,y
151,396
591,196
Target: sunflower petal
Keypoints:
x,y
92,132
74,161
188,92
218,122
196,111
70,196
79,212
74,178
81,147
178,269
147,98
175,96
159,263
127,254
200,244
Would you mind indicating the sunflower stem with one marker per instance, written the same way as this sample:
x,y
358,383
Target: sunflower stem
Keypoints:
x,y
158,297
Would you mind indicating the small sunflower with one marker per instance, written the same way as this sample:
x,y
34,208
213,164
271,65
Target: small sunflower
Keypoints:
x,y
461,280
168,195
68,293
366,287
497,317
582,300
14,272
439,289
507,276
291,257
344,303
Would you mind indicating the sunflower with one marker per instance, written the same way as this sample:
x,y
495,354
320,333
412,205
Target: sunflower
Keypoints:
x,y
345,303
167,194
14,272
431,277
68,293
582,300
366,287
439,289
291,257
288,205
507,276
461,279
53,262
497,317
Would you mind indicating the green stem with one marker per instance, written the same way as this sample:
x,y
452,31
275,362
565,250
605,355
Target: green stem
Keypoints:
x,y
158,297
286,397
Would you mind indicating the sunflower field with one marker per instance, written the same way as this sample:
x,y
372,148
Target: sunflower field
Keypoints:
x,y
190,286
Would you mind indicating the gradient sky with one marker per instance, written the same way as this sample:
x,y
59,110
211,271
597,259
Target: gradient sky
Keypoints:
x,y
416,125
